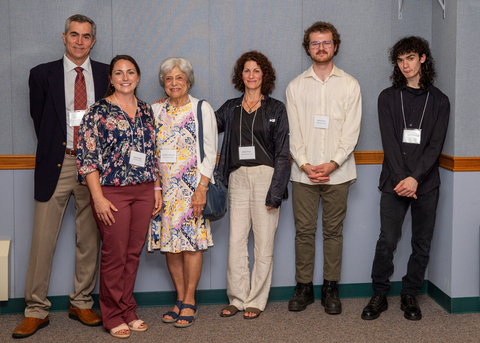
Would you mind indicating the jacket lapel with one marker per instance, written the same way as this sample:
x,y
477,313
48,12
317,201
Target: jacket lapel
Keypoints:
x,y
56,82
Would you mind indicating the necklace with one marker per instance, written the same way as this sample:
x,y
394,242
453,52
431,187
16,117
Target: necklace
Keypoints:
x,y
178,105
136,104
250,108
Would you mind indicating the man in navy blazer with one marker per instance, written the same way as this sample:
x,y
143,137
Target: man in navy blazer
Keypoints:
x,y
52,98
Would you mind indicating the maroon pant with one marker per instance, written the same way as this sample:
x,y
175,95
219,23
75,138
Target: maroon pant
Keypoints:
x,y
121,247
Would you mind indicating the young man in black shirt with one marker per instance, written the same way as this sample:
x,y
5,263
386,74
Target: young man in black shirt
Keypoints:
x,y
413,117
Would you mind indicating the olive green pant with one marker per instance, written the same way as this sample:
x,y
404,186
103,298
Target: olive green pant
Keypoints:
x,y
305,201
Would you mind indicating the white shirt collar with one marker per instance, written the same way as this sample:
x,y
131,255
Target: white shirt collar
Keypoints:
x,y
311,73
68,65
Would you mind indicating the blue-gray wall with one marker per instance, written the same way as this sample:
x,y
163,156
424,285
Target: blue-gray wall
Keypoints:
x,y
212,34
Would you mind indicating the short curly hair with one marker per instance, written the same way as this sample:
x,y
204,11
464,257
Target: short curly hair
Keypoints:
x,y
417,45
268,78
322,27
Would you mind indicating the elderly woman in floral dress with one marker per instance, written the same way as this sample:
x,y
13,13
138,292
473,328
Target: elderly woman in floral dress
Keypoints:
x,y
181,231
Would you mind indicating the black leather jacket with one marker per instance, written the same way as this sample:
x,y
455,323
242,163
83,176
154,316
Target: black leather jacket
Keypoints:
x,y
275,123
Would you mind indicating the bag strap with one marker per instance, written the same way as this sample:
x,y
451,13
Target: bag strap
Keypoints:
x,y
200,129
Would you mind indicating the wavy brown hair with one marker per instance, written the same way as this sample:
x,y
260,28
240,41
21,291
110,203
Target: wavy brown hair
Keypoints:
x,y
408,45
322,27
268,78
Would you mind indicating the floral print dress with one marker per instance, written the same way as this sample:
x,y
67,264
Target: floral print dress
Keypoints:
x,y
176,229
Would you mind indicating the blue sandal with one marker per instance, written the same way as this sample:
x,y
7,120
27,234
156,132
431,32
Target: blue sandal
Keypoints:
x,y
189,319
173,314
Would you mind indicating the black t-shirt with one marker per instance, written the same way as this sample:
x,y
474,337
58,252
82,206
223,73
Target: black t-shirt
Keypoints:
x,y
261,155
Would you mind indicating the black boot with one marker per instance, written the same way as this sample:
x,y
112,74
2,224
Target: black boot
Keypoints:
x,y
375,306
330,299
409,306
303,297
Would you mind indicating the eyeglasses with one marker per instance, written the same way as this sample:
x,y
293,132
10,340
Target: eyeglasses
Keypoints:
x,y
316,45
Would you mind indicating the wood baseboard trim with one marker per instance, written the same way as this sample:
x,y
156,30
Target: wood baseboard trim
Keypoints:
x,y
14,162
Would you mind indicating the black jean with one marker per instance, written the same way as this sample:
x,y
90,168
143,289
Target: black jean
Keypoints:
x,y
392,214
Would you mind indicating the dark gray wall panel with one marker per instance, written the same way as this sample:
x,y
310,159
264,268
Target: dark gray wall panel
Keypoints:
x,y
445,50
240,26
36,37
467,113
162,30
6,115
364,28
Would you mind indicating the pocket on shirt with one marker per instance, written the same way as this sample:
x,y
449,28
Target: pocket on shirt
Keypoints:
x,y
338,109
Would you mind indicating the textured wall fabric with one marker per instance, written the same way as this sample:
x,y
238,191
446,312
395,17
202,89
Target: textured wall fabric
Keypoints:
x,y
212,34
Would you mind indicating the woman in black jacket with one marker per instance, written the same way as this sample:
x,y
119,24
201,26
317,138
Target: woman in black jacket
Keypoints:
x,y
255,166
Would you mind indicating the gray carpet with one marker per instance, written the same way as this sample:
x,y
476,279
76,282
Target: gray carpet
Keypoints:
x,y
276,324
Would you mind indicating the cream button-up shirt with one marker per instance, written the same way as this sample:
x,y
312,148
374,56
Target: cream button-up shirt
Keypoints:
x,y
339,98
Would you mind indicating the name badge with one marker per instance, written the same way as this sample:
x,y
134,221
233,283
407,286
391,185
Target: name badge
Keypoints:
x,y
246,152
74,118
321,122
137,158
168,156
412,136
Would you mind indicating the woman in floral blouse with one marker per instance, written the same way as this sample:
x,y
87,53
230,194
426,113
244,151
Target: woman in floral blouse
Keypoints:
x,y
116,160
181,231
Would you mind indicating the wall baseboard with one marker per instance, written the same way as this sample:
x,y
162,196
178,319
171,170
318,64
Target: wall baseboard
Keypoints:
x,y
277,294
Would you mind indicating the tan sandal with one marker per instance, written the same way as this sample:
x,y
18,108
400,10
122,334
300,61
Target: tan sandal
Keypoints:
x,y
254,310
137,325
120,331
230,308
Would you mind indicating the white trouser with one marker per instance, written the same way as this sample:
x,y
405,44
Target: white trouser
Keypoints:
x,y
247,191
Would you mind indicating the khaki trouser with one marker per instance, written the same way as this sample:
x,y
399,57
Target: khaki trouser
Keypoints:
x,y
48,218
247,191
305,201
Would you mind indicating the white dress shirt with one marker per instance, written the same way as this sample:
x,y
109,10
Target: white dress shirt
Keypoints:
x,y
339,98
70,75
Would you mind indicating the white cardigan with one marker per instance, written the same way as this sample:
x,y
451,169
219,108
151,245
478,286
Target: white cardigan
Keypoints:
x,y
210,137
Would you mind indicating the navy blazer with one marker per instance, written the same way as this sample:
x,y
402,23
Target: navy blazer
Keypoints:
x,y
48,111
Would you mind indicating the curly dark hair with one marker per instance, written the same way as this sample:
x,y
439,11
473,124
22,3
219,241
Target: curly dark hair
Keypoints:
x,y
268,79
417,45
322,27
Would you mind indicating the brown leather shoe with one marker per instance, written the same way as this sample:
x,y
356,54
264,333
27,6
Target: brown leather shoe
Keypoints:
x,y
87,317
29,326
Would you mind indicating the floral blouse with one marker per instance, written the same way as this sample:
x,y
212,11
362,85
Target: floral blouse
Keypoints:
x,y
105,138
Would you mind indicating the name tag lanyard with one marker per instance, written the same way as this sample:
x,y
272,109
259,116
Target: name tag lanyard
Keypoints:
x,y
130,126
412,135
246,152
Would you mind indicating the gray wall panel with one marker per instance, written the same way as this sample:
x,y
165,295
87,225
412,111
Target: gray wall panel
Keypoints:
x,y
164,29
364,28
6,134
416,19
443,31
7,223
36,37
24,208
440,265
240,26
467,113
212,35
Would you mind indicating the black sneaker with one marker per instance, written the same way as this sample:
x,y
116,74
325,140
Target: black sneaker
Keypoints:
x,y
303,297
375,306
